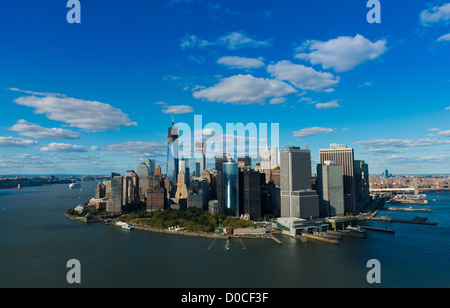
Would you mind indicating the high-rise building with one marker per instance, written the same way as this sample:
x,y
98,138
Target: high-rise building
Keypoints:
x,y
144,169
156,199
130,188
230,174
197,169
116,197
297,197
250,193
182,192
220,159
172,153
361,184
268,157
100,191
343,156
330,187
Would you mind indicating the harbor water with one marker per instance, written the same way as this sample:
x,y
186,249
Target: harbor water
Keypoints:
x,y
37,240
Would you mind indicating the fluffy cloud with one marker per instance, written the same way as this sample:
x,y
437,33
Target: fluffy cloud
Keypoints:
x,y
10,142
67,148
245,89
444,38
331,104
91,116
241,62
435,14
312,131
25,128
445,133
400,143
343,53
238,40
305,78
175,109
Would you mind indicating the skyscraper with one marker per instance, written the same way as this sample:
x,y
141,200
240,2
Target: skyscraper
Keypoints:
x,y
250,182
230,173
361,183
268,157
220,159
116,197
297,197
343,156
330,187
172,153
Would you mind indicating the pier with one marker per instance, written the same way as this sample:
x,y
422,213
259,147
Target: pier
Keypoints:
x,y
348,233
321,238
407,209
417,220
378,229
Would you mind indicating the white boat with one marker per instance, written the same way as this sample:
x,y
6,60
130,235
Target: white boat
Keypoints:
x,y
74,185
124,225
355,229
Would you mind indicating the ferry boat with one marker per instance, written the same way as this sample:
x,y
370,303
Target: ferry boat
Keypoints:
x,y
74,185
355,229
124,225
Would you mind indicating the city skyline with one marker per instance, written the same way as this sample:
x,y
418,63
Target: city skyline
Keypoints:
x,y
96,97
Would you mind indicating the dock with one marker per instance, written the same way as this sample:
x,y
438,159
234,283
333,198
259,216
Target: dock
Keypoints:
x,y
321,238
348,233
378,229
417,220
407,209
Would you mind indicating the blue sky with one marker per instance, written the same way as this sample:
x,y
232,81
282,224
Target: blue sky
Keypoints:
x,y
95,97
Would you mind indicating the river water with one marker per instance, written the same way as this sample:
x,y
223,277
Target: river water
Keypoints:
x,y
37,240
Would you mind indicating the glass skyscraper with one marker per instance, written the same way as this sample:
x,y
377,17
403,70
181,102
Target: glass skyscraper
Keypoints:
x,y
231,186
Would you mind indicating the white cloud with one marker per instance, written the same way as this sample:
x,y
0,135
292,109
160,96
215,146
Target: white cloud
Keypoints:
x,y
231,41
277,100
400,143
343,53
436,14
137,148
238,40
192,41
67,148
25,128
312,131
10,142
37,93
331,104
241,62
434,129
245,89
175,109
447,108
90,116
445,133
305,78
444,38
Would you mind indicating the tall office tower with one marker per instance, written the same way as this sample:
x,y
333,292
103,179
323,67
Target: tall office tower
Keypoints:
x,y
230,189
343,156
130,188
250,193
330,187
100,191
220,159
201,148
197,169
362,184
115,201
297,198
386,173
268,157
244,161
182,192
172,153
159,175
143,172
